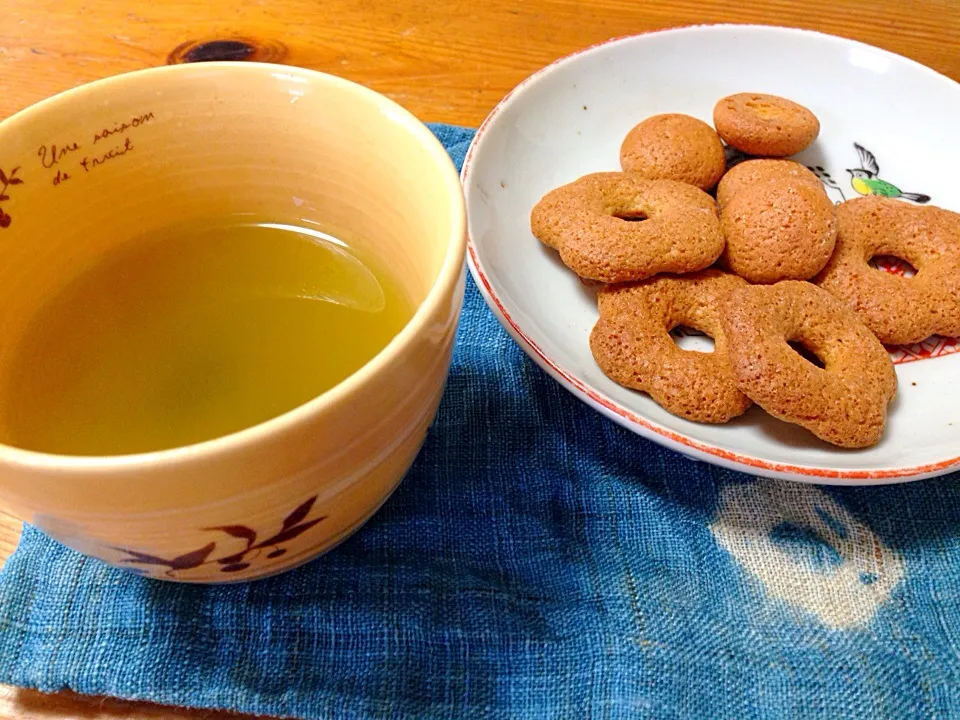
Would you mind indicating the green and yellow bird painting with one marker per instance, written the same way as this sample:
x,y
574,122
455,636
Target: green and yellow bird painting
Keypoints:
x,y
866,181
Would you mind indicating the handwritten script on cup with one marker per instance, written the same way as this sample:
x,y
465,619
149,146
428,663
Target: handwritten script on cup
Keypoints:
x,y
103,146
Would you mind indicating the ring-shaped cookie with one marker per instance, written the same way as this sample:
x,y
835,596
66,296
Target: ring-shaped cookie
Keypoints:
x,y
618,227
844,402
899,310
632,344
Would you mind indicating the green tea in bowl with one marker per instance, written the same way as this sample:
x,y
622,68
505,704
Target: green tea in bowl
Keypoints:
x,y
193,332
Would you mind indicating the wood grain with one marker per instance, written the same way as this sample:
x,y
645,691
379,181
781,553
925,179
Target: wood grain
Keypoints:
x,y
32,705
449,62
446,62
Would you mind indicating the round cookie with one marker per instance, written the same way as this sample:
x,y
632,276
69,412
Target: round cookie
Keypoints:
x,y
845,402
674,147
632,344
778,230
760,124
595,224
751,172
899,310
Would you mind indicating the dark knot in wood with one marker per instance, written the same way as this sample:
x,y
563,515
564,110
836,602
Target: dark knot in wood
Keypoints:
x,y
194,51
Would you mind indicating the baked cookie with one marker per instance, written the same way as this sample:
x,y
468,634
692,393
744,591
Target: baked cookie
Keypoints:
x,y
778,230
751,172
674,147
899,310
844,402
760,124
632,344
619,227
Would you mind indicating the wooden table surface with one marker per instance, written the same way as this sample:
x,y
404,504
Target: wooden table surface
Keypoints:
x,y
445,61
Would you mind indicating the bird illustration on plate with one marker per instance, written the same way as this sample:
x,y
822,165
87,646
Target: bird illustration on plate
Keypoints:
x,y
866,179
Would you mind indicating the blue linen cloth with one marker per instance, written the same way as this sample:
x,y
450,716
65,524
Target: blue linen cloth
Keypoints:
x,y
538,561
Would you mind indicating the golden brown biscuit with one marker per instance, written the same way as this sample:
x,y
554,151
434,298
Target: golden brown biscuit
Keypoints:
x,y
751,172
619,227
844,402
778,230
674,147
899,310
632,344
760,124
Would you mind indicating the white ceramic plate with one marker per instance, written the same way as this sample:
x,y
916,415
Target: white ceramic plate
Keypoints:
x,y
568,120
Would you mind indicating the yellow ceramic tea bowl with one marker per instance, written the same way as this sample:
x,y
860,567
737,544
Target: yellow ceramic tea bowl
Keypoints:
x,y
117,158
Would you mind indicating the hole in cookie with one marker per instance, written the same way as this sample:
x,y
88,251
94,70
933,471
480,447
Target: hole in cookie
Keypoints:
x,y
893,265
806,353
688,338
631,215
